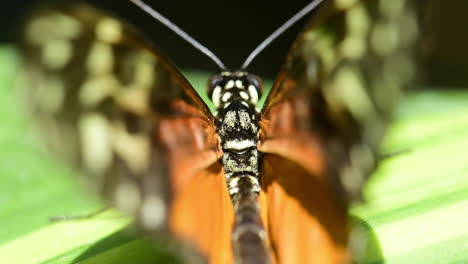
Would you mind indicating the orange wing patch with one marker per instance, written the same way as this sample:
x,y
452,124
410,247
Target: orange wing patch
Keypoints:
x,y
190,142
202,213
283,132
305,220
314,229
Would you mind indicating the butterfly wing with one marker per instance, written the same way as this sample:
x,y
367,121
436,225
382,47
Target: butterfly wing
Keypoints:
x,y
324,118
110,105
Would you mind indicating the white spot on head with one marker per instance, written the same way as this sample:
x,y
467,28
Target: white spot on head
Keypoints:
x,y
216,96
253,94
244,95
227,104
153,212
239,84
229,84
244,103
240,73
226,96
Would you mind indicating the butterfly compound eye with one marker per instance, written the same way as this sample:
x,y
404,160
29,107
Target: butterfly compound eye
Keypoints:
x,y
254,87
215,88
213,82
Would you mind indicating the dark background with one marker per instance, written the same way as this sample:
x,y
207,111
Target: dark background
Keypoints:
x,y
232,29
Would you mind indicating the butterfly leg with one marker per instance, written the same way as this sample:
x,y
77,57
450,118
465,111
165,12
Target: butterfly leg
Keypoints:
x,y
394,153
60,218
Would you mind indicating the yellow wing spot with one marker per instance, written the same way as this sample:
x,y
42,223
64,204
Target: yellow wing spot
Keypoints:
x,y
324,47
396,72
361,157
96,142
348,88
354,45
109,30
144,70
358,21
409,25
352,179
344,4
391,9
95,90
56,54
50,94
134,99
134,149
385,89
400,67
127,196
313,71
100,59
52,27
384,38
153,212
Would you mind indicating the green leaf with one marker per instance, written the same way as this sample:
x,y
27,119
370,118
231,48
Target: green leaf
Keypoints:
x,y
416,209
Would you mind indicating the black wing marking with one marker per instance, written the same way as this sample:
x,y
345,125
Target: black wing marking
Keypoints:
x,y
340,84
324,118
109,104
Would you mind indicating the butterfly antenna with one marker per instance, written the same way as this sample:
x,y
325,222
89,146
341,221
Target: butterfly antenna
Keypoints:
x,y
304,11
155,14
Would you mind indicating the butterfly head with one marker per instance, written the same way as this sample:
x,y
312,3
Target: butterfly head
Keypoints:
x,y
227,87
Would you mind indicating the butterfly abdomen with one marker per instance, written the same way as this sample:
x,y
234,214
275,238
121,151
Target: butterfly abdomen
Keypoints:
x,y
241,168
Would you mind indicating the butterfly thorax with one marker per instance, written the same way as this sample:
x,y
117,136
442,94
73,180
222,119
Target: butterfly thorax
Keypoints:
x,y
235,95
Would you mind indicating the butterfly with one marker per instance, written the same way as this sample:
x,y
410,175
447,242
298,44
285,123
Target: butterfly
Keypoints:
x,y
240,184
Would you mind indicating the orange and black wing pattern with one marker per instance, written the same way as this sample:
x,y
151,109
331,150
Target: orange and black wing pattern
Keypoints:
x,y
109,104
323,120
